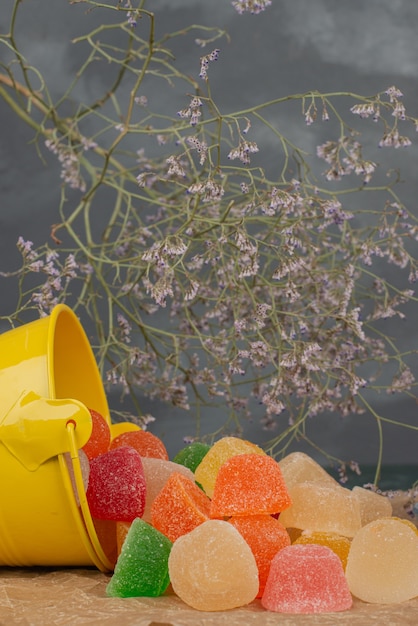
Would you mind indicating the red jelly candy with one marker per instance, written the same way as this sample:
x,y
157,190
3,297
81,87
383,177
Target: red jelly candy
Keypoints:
x,y
249,484
265,536
179,507
116,489
99,440
306,579
144,442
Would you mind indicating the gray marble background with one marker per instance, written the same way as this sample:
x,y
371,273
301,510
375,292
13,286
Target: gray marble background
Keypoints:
x,y
295,46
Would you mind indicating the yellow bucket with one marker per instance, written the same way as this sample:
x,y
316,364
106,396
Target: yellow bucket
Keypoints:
x,y
48,381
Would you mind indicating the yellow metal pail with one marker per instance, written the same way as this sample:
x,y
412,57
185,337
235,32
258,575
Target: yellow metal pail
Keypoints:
x,y
48,381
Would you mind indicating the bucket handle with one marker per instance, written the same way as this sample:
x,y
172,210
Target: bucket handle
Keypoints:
x,y
99,557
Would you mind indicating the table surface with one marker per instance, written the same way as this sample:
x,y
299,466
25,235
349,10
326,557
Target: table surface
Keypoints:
x,y
60,597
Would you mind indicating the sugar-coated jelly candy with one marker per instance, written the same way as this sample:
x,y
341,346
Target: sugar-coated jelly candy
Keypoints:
x,y
249,484
212,568
99,439
85,471
324,508
372,505
382,564
122,529
265,536
157,472
408,522
207,471
144,442
298,467
116,488
142,566
338,544
106,534
118,428
192,455
179,507
306,579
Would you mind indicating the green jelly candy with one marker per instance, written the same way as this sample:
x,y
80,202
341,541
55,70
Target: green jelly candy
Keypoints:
x,y
142,566
191,455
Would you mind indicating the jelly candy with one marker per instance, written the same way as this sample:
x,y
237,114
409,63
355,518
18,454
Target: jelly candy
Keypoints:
x,y
338,544
382,565
408,522
179,507
157,472
143,441
142,566
265,536
298,467
221,451
122,529
324,508
106,534
249,484
306,579
122,427
85,471
116,489
212,568
191,456
99,439
372,505
294,533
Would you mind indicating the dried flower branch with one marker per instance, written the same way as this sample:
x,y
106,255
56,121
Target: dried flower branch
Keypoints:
x,y
211,284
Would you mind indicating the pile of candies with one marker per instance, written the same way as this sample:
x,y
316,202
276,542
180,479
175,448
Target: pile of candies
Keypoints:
x,y
226,524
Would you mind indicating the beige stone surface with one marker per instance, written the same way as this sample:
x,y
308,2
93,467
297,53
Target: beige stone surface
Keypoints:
x,y
36,597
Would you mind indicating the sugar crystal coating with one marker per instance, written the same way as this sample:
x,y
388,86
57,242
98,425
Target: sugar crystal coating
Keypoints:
x,y
298,467
372,505
382,565
249,484
122,529
323,508
143,441
207,470
157,472
192,455
116,489
266,536
142,566
99,440
306,579
85,471
212,568
338,544
106,534
179,507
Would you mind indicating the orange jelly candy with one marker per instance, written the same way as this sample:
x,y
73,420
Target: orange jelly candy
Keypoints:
x,y
249,484
144,442
122,529
222,450
179,507
338,544
266,536
99,440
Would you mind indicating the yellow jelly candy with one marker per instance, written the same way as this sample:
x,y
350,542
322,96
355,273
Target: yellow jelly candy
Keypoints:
x,y
212,568
372,505
338,544
324,508
382,565
223,449
298,467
